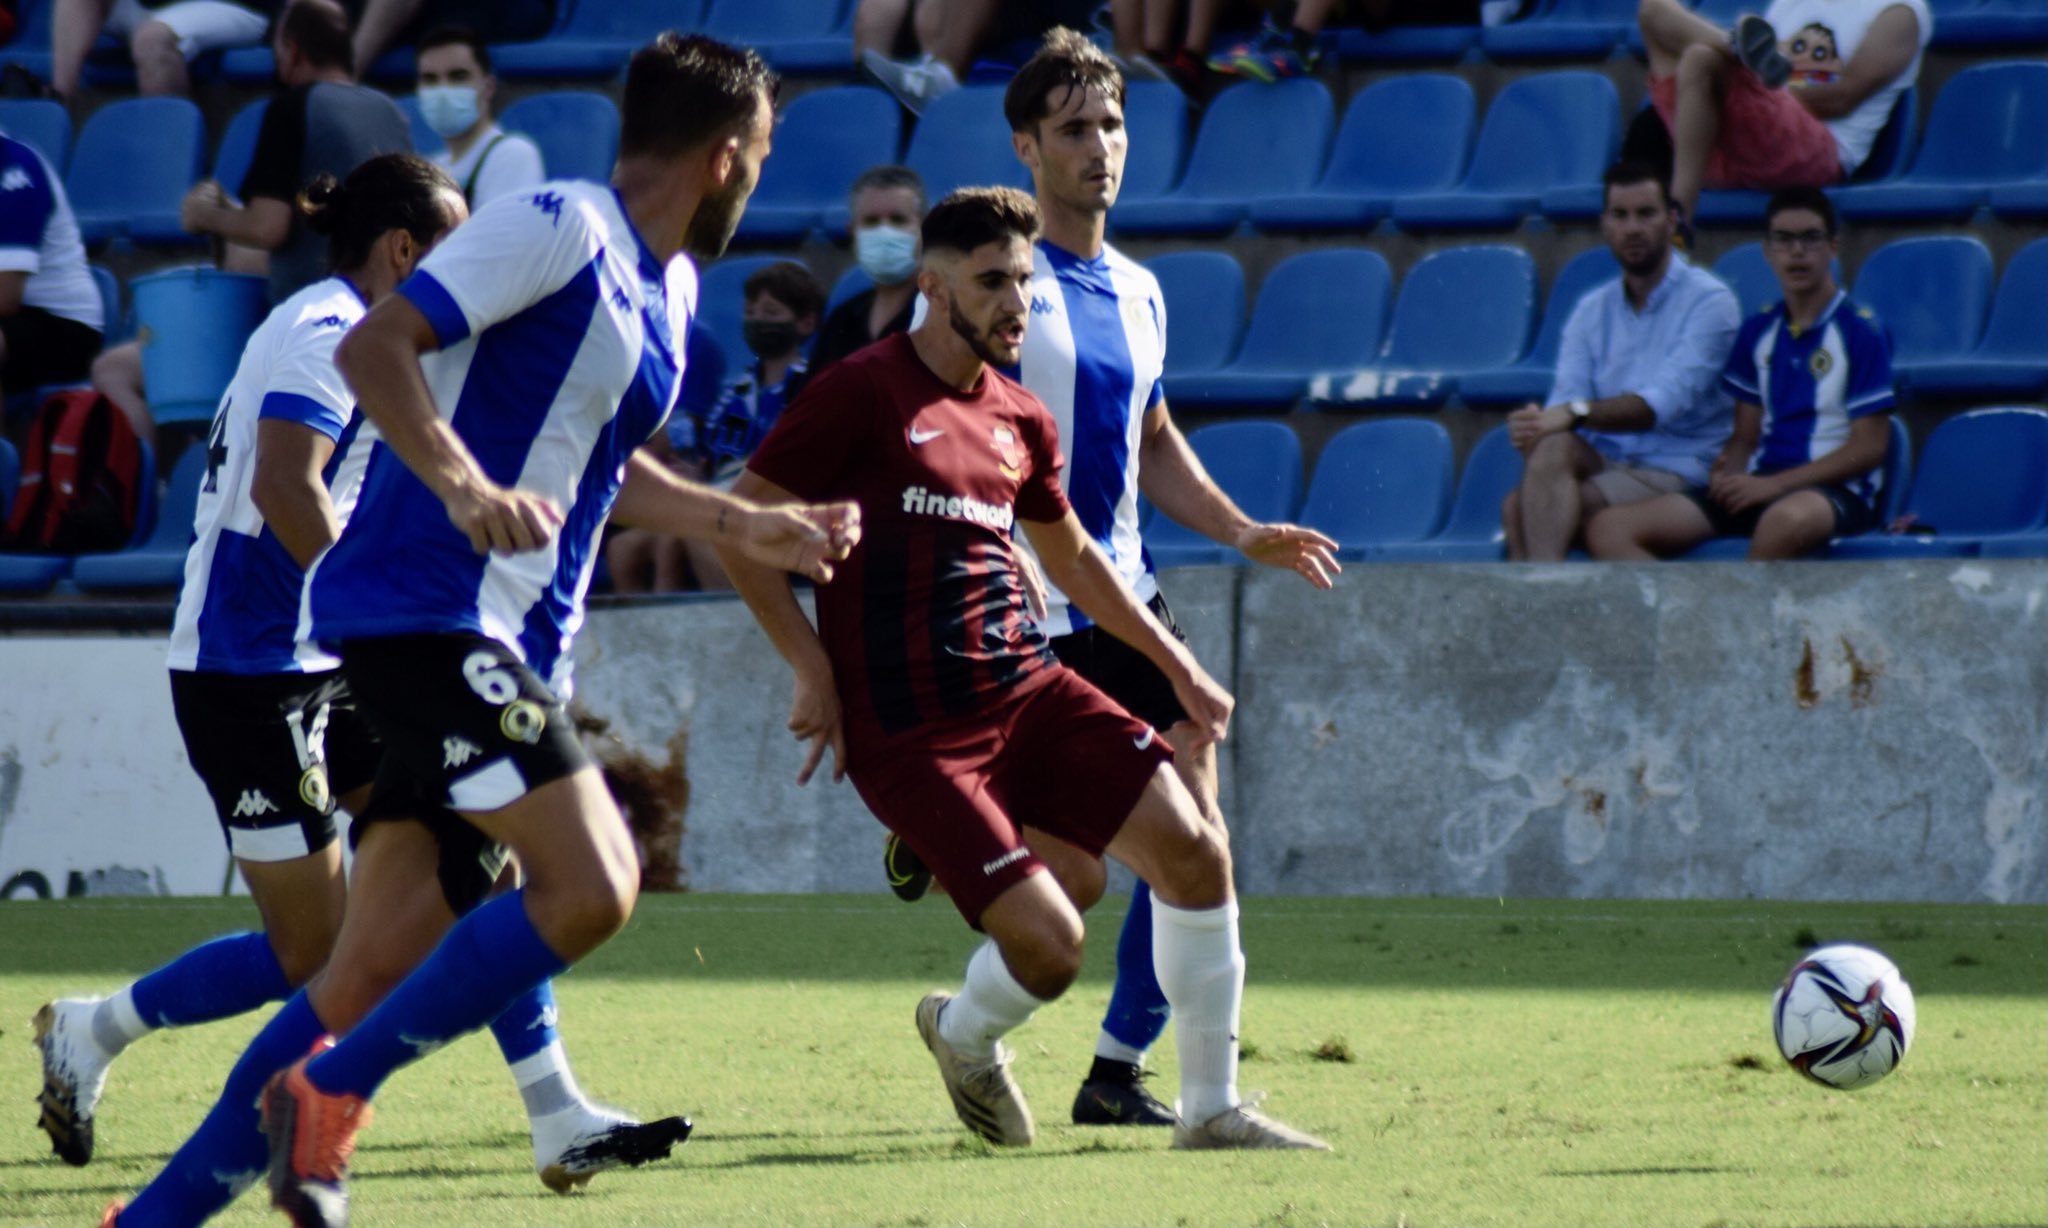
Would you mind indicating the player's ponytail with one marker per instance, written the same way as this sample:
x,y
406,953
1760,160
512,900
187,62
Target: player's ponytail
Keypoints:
x,y
388,192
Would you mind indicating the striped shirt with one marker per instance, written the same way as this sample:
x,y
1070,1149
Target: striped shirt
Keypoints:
x,y
1811,383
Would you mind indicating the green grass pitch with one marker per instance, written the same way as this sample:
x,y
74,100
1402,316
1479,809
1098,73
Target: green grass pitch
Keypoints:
x,y
1474,1062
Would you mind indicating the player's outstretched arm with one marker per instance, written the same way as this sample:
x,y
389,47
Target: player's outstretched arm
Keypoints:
x,y
380,358
1172,477
814,714
804,538
1077,565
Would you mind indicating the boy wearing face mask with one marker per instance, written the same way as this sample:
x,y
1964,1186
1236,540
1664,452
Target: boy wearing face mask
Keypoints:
x,y
887,204
456,90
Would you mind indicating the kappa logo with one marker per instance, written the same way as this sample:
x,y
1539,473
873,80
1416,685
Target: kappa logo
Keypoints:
x,y
15,179
549,203
1041,305
330,322
253,803
455,752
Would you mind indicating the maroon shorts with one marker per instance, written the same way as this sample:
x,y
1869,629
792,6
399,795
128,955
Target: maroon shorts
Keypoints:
x,y
1766,139
1058,755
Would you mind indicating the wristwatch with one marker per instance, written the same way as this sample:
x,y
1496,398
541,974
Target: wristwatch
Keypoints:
x,y
1582,411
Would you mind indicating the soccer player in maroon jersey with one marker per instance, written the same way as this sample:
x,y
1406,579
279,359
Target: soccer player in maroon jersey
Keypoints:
x,y
936,692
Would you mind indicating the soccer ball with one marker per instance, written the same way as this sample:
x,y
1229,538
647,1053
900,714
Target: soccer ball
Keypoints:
x,y
1844,1016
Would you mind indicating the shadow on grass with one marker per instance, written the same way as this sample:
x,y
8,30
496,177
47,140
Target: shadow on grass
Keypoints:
x,y
1669,1170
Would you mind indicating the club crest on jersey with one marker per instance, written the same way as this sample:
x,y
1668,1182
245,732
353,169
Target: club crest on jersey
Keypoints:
x,y
1006,447
1820,363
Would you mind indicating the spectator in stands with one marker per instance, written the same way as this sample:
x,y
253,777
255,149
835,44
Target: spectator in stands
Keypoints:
x,y
949,34
1741,118
1635,410
888,206
1285,45
1144,32
51,316
162,36
381,25
1812,382
783,302
455,92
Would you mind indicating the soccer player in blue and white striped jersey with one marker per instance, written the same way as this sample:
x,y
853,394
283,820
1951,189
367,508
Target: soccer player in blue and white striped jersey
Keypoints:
x,y
1812,382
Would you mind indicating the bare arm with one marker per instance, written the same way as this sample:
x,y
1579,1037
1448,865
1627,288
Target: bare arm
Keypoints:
x,y
1887,49
1078,566
1172,477
13,284
262,223
288,489
807,540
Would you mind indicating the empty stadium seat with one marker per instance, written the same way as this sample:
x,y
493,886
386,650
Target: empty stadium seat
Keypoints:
x,y
962,140
1382,481
1562,30
1988,128
1460,309
596,37
577,131
1932,293
1255,140
823,141
1529,378
2015,546
238,146
1319,311
133,163
1156,117
1748,272
796,36
1551,131
1474,533
1204,293
1258,464
159,561
10,476
1978,481
1405,44
1996,25
193,322
41,124
2012,358
110,304
1400,136
2021,202
721,302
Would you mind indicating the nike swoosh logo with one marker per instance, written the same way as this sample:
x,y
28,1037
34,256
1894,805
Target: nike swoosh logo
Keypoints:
x,y
1143,742
917,436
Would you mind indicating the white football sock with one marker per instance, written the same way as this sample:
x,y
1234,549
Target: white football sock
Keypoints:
x,y
988,1005
1195,953
545,1082
116,1023
1110,1049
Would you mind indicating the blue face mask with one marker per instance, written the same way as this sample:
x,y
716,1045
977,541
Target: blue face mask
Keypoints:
x,y
450,110
887,255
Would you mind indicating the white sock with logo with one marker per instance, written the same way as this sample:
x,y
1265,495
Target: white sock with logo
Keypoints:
x,y
1195,954
989,1004
545,1081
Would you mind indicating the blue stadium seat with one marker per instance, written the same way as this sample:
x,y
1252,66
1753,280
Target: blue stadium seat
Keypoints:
x,y
1255,140
962,140
721,302
1748,272
30,47
1978,481
38,573
258,66
1401,135
1474,533
1156,116
1204,310
1988,128
1562,30
2021,202
2012,358
2015,546
595,38
425,141
1932,293
10,476
41,124
796,36
159,561
703,374
1529,378
134,160
114,329
1889,155
1405,44
1383,481
823,141
853,281
1992,25
193,322
1460,309
238,146
1319,311
1550,131
577,131
1897,471
1258,464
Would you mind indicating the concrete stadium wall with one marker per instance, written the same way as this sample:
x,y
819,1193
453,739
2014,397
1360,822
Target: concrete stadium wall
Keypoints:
x,y
1814,731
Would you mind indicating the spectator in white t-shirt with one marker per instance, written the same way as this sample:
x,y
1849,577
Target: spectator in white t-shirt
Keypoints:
x,y
456,90
51,315
163,36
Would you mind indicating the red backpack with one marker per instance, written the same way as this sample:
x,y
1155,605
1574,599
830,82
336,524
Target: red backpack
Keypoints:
x,y
81,478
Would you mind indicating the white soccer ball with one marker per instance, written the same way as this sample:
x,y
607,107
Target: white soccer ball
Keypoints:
x,y
1844,1016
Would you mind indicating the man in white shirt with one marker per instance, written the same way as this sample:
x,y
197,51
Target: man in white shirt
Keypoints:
x,y
456,90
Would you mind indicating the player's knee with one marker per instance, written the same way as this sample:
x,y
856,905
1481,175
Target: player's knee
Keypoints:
x,y
1197,869
1046,959
300,955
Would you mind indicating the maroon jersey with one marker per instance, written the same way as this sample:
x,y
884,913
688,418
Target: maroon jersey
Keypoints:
x,y
926,620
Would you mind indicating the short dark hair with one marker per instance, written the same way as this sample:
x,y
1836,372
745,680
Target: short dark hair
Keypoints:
x,y
319,29
886,177
685,92
452,35
971,217
388,192
1628,174
1065,62
1812,199
789,283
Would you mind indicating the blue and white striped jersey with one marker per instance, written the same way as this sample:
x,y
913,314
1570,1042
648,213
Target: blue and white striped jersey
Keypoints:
x,y
560,353
39,237
241,610
1811,382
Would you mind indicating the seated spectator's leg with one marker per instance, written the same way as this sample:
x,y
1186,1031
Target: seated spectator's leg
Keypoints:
x,y
1511,526
876,23
117,376
382,22
629,556
1651,529
1793,527
75,27
951,31
1701,81
159,66
1555,496
174,34
1201,28
1669,27
704,564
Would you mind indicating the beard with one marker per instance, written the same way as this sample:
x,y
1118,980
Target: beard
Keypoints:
x,y
1648,264
717,217
980,342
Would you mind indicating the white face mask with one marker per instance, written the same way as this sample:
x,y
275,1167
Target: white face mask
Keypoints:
x,y
887,254
450,110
